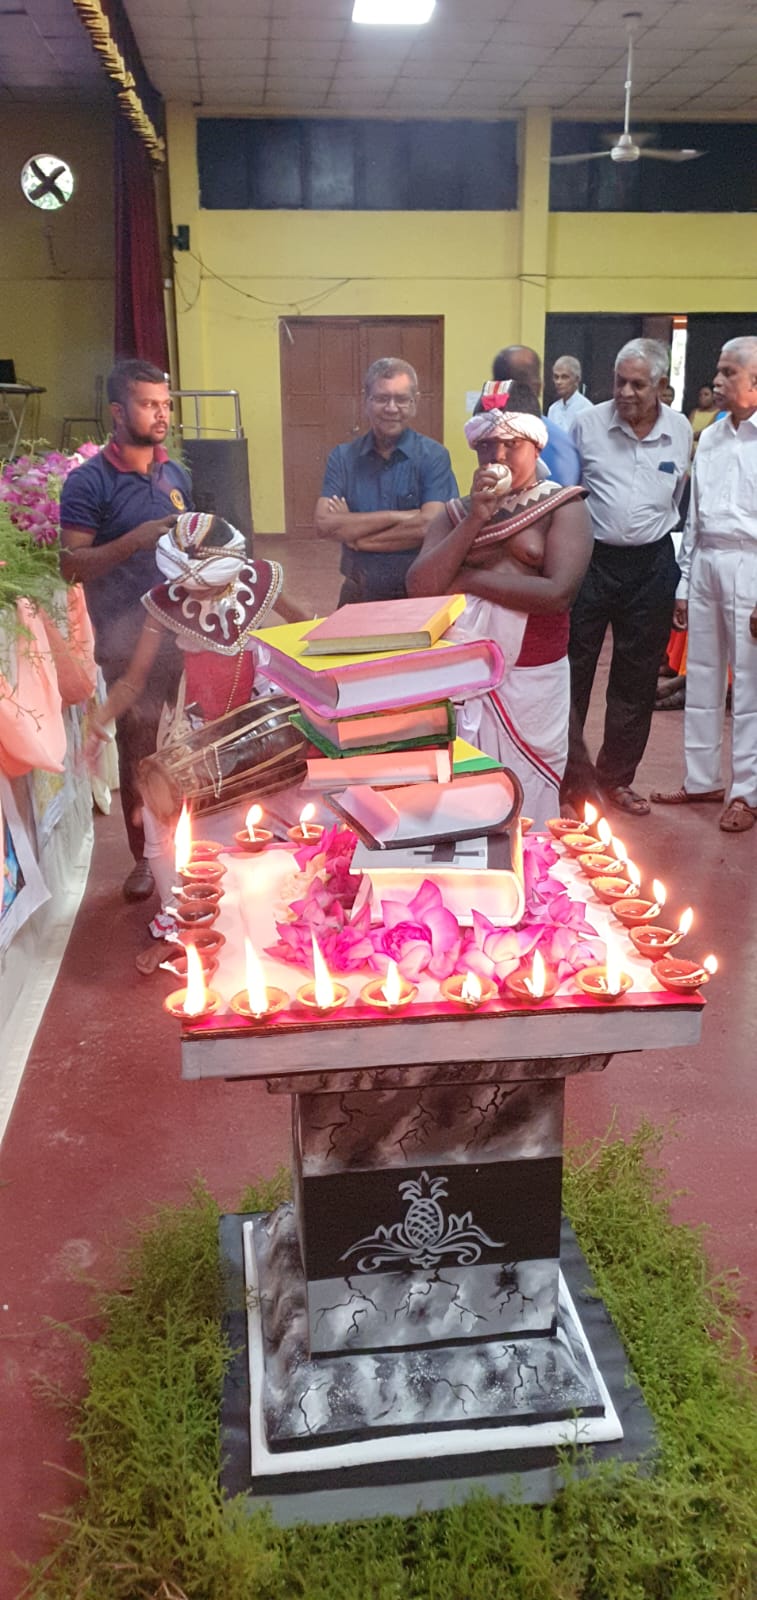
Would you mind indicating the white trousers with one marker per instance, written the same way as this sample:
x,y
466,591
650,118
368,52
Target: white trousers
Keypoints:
x,y
723,592
159,851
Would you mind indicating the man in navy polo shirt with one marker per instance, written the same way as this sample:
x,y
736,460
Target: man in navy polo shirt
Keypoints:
x,y
381,491
113,511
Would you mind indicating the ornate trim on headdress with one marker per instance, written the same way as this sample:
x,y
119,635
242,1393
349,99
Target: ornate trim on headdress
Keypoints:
x,y
493,393
222,622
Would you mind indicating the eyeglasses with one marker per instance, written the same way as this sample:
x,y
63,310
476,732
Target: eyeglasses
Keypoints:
x,y
388,401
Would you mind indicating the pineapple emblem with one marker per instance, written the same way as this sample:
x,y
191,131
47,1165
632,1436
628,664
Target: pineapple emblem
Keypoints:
x,y
424,1220
426,1235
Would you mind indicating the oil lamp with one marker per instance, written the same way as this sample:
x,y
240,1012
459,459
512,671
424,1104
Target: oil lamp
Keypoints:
x,y
606,982
537,985
257,1000
631,911
468,990
607,887
195,1000
306,831
579,842
322,994
652,942
252,837
684,977
390,993
559,826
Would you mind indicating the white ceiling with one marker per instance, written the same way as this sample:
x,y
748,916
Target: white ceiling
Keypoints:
x,y
486,58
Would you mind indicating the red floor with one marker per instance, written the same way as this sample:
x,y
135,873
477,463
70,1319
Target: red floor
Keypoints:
x,y
104,1129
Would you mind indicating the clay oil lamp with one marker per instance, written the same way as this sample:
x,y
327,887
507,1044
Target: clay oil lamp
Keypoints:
x,y
192,913
322,994
607,887
652,941
204,850
196,1000
559,826
467,990
178,964
631,911
608,981
207,894
306,831
258,1000
252,838
579,843
526,824
207,941
202,871
390,993
538,984
684,977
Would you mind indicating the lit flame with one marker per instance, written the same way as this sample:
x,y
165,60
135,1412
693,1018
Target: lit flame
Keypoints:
x,y
710,964
256,986
634,876
470,990
604,831
306,815
613,968
621,854
253,819
324,988
590,814
659,891
196,994
182,840
686,919
537,982
391,988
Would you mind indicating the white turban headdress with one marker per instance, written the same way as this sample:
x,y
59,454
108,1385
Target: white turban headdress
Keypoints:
x,y
497,424
188,554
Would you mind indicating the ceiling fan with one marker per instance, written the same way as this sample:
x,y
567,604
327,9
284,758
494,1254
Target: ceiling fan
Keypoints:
x,y
626,147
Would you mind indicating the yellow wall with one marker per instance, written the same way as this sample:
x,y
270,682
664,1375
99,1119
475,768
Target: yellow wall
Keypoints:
x,y
56,298
492,275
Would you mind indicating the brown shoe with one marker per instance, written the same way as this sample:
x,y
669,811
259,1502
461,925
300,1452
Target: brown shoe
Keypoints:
x,y
140,883
738,817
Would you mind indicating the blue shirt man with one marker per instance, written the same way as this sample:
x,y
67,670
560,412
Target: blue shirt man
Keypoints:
x,y
559,459
113,511
381,491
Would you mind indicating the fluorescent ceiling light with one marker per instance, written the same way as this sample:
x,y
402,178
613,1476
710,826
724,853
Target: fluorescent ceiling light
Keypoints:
x,y
393,13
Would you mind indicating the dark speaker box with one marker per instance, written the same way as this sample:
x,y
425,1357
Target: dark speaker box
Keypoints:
x,y
221,480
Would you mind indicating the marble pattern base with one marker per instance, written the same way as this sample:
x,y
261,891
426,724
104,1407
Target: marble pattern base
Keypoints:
x,y
307,1415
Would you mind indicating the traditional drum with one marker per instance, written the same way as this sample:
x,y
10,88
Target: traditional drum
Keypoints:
x,y
251,751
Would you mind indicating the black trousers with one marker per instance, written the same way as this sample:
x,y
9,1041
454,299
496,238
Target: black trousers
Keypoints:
x,y
631,589
137,732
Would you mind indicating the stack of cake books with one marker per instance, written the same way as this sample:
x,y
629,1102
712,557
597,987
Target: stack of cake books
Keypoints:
x,y
375,686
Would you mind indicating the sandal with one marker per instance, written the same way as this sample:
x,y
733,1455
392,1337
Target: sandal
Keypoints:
x,y
738,817
150,959
681,797
628,800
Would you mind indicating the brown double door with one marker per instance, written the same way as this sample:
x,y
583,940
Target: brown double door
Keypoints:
x,y
323,361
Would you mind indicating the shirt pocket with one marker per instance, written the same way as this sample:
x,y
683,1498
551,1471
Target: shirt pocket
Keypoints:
x,y
657,483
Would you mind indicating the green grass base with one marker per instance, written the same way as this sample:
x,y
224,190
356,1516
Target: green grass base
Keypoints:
x,y
152,1525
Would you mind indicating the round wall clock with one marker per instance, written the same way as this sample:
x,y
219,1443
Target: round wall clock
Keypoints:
x,y
47,182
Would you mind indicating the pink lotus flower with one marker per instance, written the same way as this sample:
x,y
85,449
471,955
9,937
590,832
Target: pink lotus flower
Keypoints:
x,y
420,934
495,952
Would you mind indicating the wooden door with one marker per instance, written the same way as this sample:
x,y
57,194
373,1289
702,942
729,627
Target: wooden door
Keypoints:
x,y
323,361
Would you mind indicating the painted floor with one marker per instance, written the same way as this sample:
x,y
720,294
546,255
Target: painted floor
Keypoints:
x,y
104,1130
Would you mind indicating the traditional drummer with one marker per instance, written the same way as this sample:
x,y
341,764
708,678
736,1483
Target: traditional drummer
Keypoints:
x,y
518,546
212,598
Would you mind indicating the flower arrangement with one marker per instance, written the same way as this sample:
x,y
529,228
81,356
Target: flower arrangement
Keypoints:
x,y
30,486
420,933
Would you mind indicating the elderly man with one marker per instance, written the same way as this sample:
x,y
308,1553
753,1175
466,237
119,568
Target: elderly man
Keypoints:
x,y
566,377
717,596
634,456
113,511
380,492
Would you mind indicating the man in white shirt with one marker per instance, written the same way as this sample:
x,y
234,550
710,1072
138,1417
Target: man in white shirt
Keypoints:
x,y
570,402
717,596
635,455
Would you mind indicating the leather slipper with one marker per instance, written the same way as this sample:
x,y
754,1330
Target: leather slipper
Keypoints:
x,y
628,800
681,797
738,817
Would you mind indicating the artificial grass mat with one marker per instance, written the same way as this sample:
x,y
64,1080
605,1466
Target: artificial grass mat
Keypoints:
x,y
152,1525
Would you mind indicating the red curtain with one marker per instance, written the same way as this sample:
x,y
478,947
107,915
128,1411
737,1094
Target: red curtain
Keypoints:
x,y
140,324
